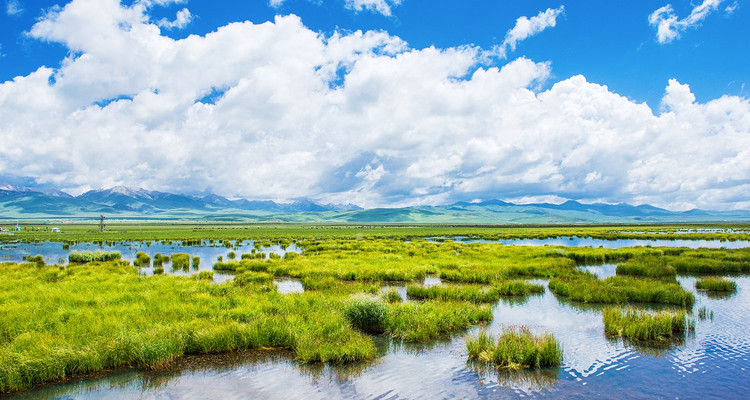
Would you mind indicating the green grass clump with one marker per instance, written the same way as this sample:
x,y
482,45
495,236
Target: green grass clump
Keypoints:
x,y
181,260
644,326
231,255
413,322
585,287
196,262
141,259
649,267
256,255
251,277
420,322
475,294
205,276
158,270
226,266
516,348
319,282
83,257
367,314
38,260
392,296
716,284
518,288
710,261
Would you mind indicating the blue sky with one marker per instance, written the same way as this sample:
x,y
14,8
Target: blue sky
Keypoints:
x,y
441,101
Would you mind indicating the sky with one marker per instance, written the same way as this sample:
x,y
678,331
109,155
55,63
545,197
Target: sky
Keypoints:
x,y
381,102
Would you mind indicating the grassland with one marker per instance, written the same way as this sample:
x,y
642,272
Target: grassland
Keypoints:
x,y
195,232
92,315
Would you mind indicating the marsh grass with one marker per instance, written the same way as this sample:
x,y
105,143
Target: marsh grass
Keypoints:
x,y
391,296
413,322
82,257
515,348
644,326
104,315
142,259
475,294
181,261
704,313
38,260
57,322
367,314
204,275
716,284
648,267
518,288
251,277
585,287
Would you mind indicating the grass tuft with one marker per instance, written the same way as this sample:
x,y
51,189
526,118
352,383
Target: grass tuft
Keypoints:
x,y
716,284
516,348
645,326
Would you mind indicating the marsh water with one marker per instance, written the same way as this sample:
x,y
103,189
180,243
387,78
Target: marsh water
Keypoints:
x,y
714,362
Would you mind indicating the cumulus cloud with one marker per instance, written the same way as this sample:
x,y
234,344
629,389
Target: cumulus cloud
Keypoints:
x,y
351,117
669,26
275,3
13,8
526,27
379,6
183,18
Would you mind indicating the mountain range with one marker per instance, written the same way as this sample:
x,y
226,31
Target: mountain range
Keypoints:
x,y
18,202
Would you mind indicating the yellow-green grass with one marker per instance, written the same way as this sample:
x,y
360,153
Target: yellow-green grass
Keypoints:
x,y
57,321
587,288
90,256
142,259
414,322
518,288
638,325
647,267
715,284
181,261
275,233
475,294
515,348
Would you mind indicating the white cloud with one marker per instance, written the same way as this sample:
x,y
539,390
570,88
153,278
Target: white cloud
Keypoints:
x,y
526,27
275,3
669,26
13,8
182,19
379,6
352,117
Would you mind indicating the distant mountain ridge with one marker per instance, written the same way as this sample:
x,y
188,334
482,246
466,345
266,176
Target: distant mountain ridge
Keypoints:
x,y
136,203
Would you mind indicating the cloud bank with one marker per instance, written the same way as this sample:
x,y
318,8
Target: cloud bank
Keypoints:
x,y
277,111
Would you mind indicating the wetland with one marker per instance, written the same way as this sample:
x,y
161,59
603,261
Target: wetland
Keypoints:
x,y
375,312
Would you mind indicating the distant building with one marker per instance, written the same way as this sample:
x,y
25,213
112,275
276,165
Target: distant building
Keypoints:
x,y
55,230
18,227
